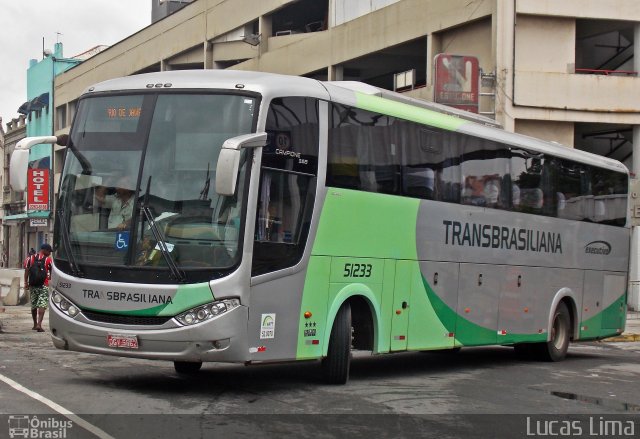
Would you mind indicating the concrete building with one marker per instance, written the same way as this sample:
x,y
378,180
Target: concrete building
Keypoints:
x,y
3,260
13,232
161,8
561,70
38,111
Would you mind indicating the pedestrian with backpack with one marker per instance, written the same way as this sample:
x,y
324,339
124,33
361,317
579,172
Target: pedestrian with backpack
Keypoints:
x,y
36,277
26,260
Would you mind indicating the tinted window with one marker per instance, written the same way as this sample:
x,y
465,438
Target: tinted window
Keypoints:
x,y
287,184
485,170
378,153
364,151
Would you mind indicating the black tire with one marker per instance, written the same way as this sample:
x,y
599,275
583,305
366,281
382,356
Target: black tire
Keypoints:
x,y
187,367
335,367
556,349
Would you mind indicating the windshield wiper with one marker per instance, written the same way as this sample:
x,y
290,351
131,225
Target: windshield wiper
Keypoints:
x,y
66,242
176,273
161,243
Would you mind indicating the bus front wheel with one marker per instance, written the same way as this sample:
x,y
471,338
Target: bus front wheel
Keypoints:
x,y
335,366
187,367
556,348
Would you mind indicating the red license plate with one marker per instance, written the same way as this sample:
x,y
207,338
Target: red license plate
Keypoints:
x,y
122,341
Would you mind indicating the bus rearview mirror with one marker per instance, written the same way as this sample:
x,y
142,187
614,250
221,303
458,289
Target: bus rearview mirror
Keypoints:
x,y
18,169
229,160
227,171
19,161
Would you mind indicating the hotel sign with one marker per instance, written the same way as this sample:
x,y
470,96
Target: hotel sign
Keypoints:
x,y
38,189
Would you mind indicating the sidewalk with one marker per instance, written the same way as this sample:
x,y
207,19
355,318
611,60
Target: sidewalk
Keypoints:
x,y
632,329
15,318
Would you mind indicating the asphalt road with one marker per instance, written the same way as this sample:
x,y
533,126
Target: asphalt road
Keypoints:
x,y
478,392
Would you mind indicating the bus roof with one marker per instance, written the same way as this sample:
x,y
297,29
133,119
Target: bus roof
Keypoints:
x,y
267,84
355,94
394,104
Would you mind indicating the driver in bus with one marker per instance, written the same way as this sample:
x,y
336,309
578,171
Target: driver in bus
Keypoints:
x,y
121,203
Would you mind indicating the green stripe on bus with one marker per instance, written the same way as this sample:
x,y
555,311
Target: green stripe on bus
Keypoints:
x,y
468,333
408,112
604,324
367,225
187,297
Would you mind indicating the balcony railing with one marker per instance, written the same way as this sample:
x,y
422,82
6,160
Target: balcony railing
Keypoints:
x,y
607,72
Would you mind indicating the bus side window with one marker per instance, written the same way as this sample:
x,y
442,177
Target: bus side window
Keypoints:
x,y
485,166
287,184
526,172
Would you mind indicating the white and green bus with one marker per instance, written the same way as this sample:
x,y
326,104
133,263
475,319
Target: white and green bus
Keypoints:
x,y
270,218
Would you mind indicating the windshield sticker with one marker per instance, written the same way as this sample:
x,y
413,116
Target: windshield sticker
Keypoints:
x,y
122,241
267,326
168,244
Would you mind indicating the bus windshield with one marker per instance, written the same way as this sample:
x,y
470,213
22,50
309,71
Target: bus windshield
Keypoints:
x,y
137,185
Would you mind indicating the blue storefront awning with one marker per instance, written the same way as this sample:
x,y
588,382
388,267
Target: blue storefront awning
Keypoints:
x,y
35,104
40,102
25,108
28,215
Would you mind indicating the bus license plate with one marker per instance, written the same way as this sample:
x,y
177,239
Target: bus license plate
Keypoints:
x,y
122,341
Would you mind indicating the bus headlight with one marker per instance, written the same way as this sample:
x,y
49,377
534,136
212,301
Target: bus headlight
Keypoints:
x,y
206,312
64,304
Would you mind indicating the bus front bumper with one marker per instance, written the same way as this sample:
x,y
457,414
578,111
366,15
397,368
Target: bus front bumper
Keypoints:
x,y
221,339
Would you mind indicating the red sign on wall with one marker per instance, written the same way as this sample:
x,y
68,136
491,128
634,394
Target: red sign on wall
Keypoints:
x,y
38,189
456,81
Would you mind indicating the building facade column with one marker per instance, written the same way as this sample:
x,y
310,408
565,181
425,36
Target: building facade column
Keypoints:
x,y
633,299
265,30
335,73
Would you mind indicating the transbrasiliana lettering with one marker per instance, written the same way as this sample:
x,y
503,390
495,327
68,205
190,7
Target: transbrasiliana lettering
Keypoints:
x,y
127,297
501,237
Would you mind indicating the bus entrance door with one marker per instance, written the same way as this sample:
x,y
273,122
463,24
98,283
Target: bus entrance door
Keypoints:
x,y
400,309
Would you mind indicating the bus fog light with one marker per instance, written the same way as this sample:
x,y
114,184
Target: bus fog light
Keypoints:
x,y
222,344
206,312
73,311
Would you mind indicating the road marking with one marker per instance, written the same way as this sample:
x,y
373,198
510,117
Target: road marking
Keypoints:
x,y
58,408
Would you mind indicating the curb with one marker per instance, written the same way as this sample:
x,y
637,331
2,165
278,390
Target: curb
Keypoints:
x,y
623,338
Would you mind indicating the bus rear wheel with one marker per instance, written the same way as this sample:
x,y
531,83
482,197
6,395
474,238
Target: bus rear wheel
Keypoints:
x,y
187,367
556,348
335,366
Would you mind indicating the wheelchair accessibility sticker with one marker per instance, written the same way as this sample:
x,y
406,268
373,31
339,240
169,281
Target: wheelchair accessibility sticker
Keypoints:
x,y
122,241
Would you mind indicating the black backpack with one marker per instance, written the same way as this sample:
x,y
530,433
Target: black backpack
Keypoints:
x,y
37,271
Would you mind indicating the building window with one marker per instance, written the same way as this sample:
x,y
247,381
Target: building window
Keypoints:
x,y
61,117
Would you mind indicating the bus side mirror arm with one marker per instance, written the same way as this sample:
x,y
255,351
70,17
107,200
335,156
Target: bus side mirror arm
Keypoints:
x,y
19,161
229,160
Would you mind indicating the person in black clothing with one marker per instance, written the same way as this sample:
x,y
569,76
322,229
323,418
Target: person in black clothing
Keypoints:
x,y
38,284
